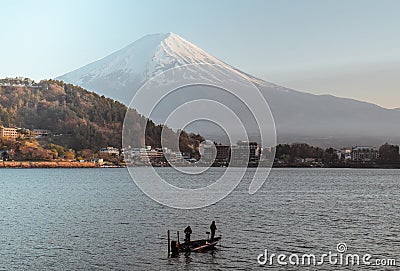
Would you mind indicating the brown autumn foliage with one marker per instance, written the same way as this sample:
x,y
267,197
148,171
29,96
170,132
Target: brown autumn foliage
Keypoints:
x,y
77,118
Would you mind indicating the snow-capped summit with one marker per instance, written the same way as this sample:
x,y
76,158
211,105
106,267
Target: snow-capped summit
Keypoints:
x,y
320,119
125,70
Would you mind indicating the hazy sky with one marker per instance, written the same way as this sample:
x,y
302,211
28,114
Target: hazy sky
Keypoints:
x,y
346,48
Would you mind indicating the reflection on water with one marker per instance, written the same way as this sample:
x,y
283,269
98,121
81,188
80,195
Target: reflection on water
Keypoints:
x,y
96,219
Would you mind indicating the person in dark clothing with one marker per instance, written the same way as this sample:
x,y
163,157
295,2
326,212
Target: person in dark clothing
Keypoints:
x,y
213,228
188,232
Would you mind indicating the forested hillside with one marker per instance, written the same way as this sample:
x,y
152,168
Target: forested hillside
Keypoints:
x,y
77,118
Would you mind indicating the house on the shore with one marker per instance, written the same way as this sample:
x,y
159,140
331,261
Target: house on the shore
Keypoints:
x,y
364,154
111,151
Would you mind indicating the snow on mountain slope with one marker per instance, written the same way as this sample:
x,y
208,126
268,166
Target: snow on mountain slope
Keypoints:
x,y
318,119
124,71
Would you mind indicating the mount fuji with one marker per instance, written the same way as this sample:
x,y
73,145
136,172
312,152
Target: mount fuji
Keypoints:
x,y
126,70
323,120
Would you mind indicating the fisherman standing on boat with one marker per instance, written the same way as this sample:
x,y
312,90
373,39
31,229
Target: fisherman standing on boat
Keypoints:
x,y
213,228
188,232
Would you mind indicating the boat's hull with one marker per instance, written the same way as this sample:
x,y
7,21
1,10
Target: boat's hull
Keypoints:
x,y
199,245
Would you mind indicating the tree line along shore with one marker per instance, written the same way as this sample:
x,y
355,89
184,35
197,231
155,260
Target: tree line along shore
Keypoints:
x,y
47,164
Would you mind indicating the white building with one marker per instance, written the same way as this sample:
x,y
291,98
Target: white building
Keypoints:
x,y
109,151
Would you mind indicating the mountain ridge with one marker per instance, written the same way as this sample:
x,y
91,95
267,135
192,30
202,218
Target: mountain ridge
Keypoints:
x,y
297,115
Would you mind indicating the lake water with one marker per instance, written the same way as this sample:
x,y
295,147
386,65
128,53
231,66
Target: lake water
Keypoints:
x,y
97,219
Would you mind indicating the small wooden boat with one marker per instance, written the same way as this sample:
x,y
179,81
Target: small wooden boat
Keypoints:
x,y
199,245
175,247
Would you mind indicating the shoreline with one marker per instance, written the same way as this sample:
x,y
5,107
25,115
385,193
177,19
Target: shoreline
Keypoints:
x,y
76,164
47,164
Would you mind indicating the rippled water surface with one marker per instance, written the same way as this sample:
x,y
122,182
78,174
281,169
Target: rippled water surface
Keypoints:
x,y
97,219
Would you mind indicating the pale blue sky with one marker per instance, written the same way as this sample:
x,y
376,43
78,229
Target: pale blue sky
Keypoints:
x,y
346,48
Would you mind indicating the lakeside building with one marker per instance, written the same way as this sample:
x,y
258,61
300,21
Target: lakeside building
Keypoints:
x,y
109,151
154,154
245,154
364,154
344,154
133,153
8,132
148,154
208,151
175,157
223,155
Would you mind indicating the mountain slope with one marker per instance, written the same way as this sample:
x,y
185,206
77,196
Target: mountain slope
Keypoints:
x,y
118,75
77,118
316,119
